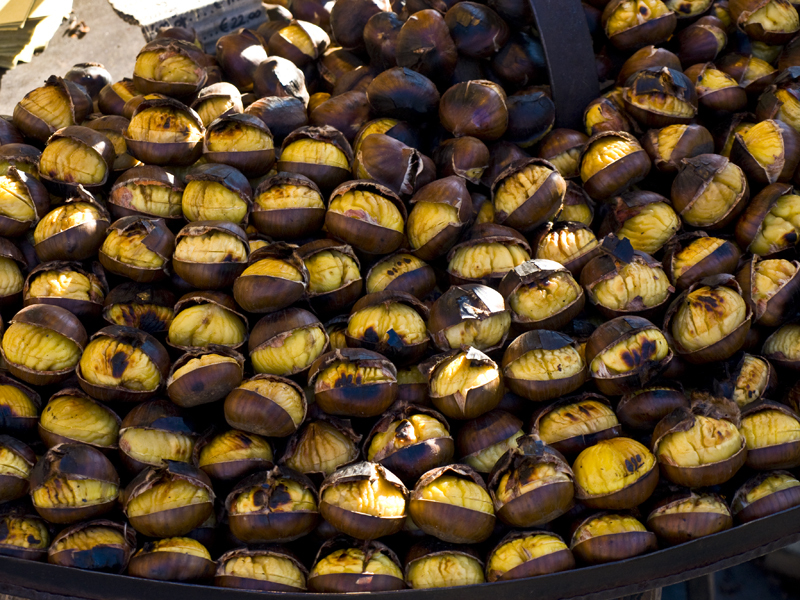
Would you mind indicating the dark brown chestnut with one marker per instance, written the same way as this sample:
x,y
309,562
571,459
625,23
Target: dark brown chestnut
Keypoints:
x,y
608,537
231,455
58,103
424,45
165,132
476,108
172,559
642,409
611,162
136,305
765,494
390,162
266,405
287,206
73,231
275,278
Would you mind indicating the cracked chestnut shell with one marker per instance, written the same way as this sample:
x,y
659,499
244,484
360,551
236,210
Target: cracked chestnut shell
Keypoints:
x,y
542,365
611,162
717,92
23,534
772,287
713,425
772,432
691,257
287,342
625,353
440,212
410,440
645,58
73,482
217,192
321,445
572,424
482,441
242,141
336,567
783,346
469,314
709,321
669,145
264,569
16,463
204,375
615,474
172,559
531,484
702,41
19,407
172,67
765,227
122,364
137,305
463,383
267,405
604,115
709,191
642,409
335,281
73,417
541,294
274,279
299,41
352,382
485,254
765,494
12,263
528,194
745,378
25,201
689,515
231,455
146,190
773,22
58,103
164,131
211,254
608,537
629,27
322,154
73,231
100,545
402,272
364,500
768,152
390,162
522,554
287,206
139,248
562,148
657,97
43,327
468,521
217,100
169,500
205,318
75,156
467,157
68,285
275,506
22,156
432,563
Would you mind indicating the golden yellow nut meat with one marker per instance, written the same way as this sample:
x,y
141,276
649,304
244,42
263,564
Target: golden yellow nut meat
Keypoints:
x,y
109,363
212,201
606,151
546,297
315,152
631,353
204,324
776,482
485,260
151,446
583,418
39,349
353,560
330,270
565,245
444,570
273,267
50,104
717,199
784,343
62,492
607,525
157,200
65,284
128,248
407,432
22,532
461,374
211,247
515,190
387,271
481,334
322,449
281,393
291,497
457,491
706,316
427,220
13,464
521,550
266,567
234,445
80,419
166,495
164,125
65,159
284,196
368,207
752,380
292,353
238,137
612,465
780,228
544,365
708,441
15,201
769,428
379,323
633,280
65,217
11,279
485,460
692,254
377,498
651,228
531,479
89,538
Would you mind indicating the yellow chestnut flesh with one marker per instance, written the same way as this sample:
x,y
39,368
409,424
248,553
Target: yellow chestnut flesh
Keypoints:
x,y
157,200
546,297
772,484
612,465
211,247
785,342
330,270
775,16
212,201
62,492
485,460
288,354
382,322
708,441
136,315
266,568
717,199
21,532
11,280
668,138
315,152
603,153
450,489
517,188
39,349
286,196
233,446
531,479
407,432
205,324
485,260
780,228
764,142
212,108
280,393
377,498
584,418
64,217
752,380
769,428
564,245
322,449
517,552
273,267
290,496
649,230
164,125
427,220
159,65
65,284
353,560
109,363
544,365
388,270
179,545
13,464
368,207
698,504
770,277
567,164
480,334
634,280
607,525
65,159
789,111
204,361
167,495
16,402
151,446
79,419
444,570
89,538
632,13
128,248
238,137
347,374
692,254
631,353
460,375
50,104
706,316
15,201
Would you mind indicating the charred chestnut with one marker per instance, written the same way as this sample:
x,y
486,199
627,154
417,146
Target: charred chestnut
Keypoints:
x,y
100,545
140,306
573,424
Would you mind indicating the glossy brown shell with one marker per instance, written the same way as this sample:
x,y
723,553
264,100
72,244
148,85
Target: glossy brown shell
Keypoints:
x,y
216,275
555,562
264,293
252,412
206,383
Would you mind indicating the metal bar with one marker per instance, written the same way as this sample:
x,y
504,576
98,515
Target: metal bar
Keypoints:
x,y
570,58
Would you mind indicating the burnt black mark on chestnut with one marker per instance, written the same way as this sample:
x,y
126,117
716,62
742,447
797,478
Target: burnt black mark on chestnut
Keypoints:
x,y
119,362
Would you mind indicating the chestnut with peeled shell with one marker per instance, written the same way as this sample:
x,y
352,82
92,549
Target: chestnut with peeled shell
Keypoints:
x,y
58,103
210,254
231,455
528,194
170,66
286,342
204,376
68,285
16,463
76,156
660,96
71,416
321,445
669,145
23,201
206,318
288,206
611,162
452,504
402,272
542,365
700,446
768,152
440,212
772,432
765,494
604,115
772,287
470,314
101,545
146,190
709,191
279,505
717,92
270,569
22,533
172,559
691,257
485,254
73,231
631,25
689,515
364,500
709,321
410,440
164,131
169,500
12,282
217,100
322,154
531,484
73,482
152,432
746,379
345,565
646,219
568,243
112,98
334,270
435,564
607,537
266,405
522,554
138,248
463,383
216,192
770,21
572,424
137,305
122,364
43,344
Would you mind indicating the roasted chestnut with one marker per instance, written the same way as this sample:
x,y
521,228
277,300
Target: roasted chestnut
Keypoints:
x,y
657,97
154,431
770,21
16,462
629,26
717,91
335,281
76,156
772,432
270,569
322,154
573,424
231,455
484,440
204,376
146,190
435,564
164,131
100,545
463,383
611,162
771,286
321,446
23,201
68,285
692,257
170,66
267,405
689,515
528,194
440,212
286,342
23,534
172,559
401,93
669,145
73,231
206,318
401,272
344,565
138,248
288,206
242,141
608,537
783,346
522,554
392,163
767,152
469,315
58,103
216,192
766,227
765,494
112,98
278,505
485,254
71,416
216,101
709,191
19,407
140,306
643,408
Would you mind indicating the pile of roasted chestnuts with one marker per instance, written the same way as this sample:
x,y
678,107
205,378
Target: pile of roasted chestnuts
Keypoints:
x,y
337,309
